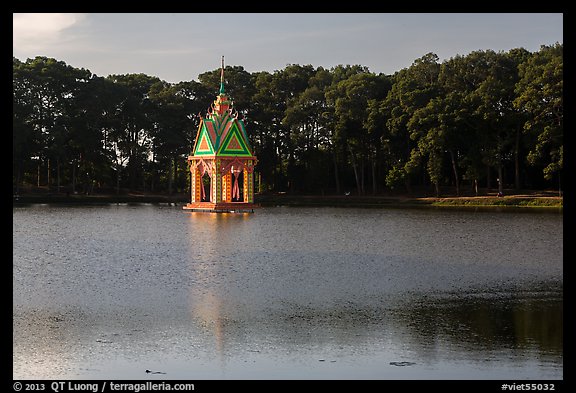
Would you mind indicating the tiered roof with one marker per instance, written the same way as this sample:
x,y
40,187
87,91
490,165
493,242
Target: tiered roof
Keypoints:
x,y
221,133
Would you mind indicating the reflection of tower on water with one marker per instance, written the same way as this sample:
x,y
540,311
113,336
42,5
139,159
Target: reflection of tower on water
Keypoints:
x,y
207,309
206,304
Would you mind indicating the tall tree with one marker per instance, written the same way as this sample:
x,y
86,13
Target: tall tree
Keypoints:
x,y
132,134
540,95
495,96
26,134
175,121
274,93
412,89
436,128
266,117
311,134
351,97
481,85
51,89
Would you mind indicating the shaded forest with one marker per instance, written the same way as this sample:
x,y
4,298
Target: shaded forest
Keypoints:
x,y
465,126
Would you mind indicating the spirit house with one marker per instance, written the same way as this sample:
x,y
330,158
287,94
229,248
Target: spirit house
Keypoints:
x,y
222,161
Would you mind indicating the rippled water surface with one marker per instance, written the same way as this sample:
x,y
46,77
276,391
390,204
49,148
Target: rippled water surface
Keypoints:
x,y
286,293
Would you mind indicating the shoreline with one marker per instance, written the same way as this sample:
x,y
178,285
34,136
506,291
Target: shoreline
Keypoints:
x,y
525,200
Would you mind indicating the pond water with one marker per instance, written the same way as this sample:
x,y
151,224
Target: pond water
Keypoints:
x,y
103,292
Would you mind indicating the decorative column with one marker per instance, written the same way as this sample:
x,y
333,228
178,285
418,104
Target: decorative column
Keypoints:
x,y
248,186
196,183
227,187
216,182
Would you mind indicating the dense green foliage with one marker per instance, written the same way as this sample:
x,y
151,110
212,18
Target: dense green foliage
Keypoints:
x,y
488,119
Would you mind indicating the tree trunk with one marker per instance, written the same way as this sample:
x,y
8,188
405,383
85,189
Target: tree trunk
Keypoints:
x,y
118,169
488,178
291,177
455,171
336,176
500,180
170,177
73,179
58,175
259,182
175,159
517,184
355,168
18,177
48,174
362,177
374,184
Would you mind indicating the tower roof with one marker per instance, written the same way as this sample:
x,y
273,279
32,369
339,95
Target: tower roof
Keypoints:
x,y
222,77
222,104
221,133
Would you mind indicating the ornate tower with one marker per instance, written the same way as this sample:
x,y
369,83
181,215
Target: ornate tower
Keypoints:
x,y
222,161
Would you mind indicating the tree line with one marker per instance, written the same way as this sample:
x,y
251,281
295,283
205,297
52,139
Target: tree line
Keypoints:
x,y
482,121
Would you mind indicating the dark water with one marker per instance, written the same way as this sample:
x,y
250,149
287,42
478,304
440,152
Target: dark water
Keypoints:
x,y
286,293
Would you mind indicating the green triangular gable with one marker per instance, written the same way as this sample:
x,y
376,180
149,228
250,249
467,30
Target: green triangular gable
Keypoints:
x,y
235,143
244,134
203,144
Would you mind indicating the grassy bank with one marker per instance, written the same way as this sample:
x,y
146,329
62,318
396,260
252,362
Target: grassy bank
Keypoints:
x,y
515,201
80,199
534,199
524,200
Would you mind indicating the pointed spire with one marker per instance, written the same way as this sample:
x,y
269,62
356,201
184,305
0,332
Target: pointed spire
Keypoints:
x,y
222,103
222,77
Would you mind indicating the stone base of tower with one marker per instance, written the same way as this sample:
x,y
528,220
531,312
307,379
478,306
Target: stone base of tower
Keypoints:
x,y
222,207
